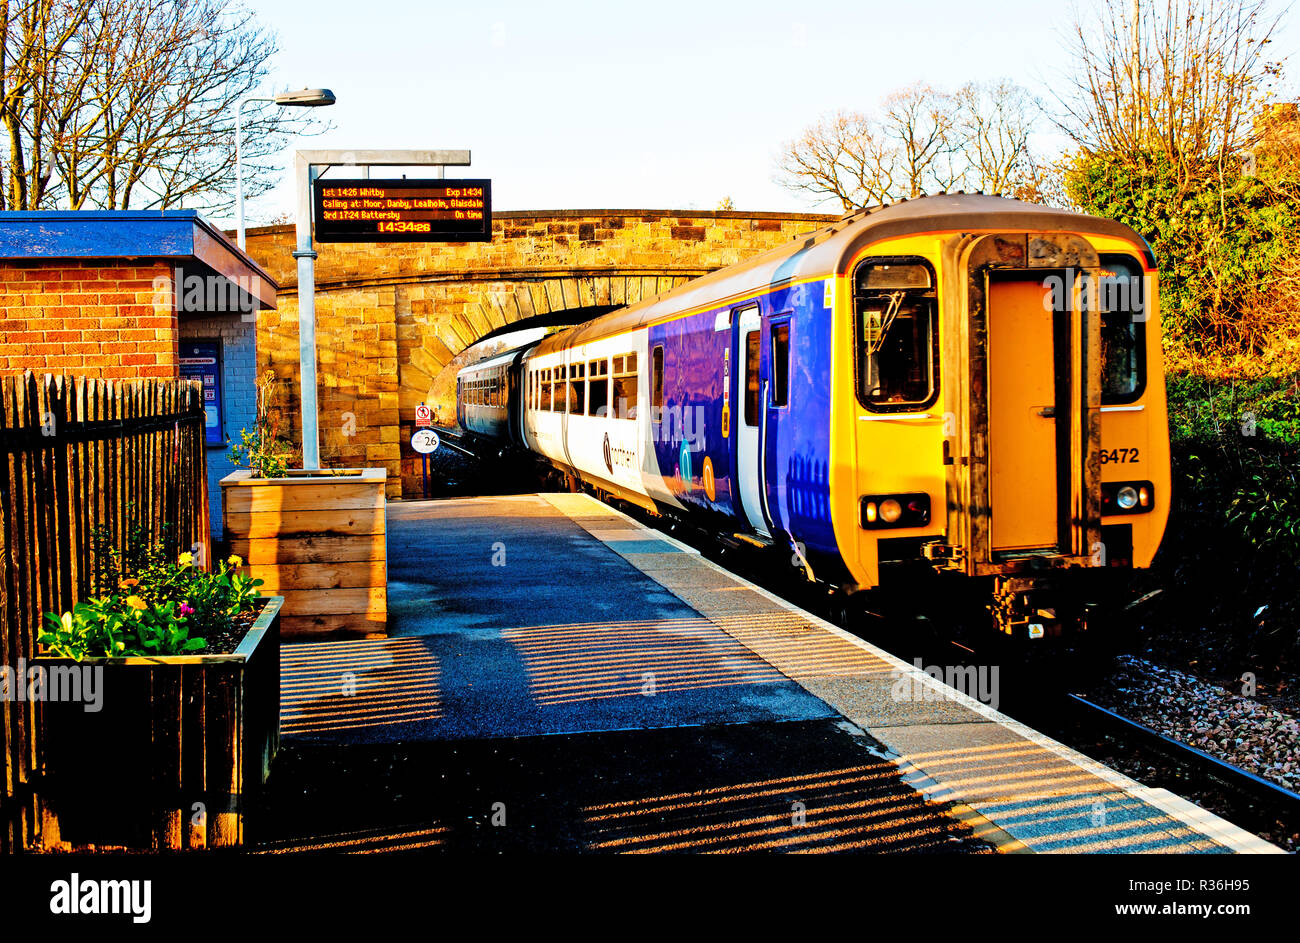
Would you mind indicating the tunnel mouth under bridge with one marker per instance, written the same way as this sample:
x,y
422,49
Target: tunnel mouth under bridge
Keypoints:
x,y
561,319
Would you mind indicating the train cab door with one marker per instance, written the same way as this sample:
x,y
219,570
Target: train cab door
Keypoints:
x,y
1043,389
1022,391
748,344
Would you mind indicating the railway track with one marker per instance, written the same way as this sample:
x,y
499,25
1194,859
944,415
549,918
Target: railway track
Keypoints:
x,y
1267,808
451,439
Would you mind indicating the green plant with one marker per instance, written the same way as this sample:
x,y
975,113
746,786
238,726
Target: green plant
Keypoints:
x,y
147,601
264,451
1225,241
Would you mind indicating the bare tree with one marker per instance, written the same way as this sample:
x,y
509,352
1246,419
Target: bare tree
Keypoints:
x,y
1184,80
925,140
37,38
993,124
843,156
920,122
1039,180
122,104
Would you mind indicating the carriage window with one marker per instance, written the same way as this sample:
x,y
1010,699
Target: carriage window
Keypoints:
x,y
657,382
751,378
546,390
561,390
598,394
897,342
577,387
1123,330
625,383
781,364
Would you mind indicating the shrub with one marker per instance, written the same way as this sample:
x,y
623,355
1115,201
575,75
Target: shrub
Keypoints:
x,y
148,602
1236,455
264,450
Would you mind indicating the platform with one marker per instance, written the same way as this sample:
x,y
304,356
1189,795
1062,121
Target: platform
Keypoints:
x,y
621,692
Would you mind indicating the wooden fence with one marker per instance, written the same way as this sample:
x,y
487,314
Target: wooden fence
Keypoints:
x,y
78,455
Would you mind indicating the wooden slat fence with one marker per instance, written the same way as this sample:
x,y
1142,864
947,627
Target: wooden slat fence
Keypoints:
x,y
79,454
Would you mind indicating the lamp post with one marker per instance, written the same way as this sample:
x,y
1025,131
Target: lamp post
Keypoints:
x,y
306,98
305,172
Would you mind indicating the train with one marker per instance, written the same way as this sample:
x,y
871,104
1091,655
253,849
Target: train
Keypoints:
x,y
963,388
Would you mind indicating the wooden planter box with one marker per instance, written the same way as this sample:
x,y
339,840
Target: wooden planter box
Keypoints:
x,y
172,732
318,539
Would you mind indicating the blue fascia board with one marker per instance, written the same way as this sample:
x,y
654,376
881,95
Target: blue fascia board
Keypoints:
x,y
175,235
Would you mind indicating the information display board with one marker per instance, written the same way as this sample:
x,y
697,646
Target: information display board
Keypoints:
x,y
201,360
403,210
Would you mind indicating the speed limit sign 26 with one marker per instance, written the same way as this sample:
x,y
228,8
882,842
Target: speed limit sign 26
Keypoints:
x,y
424,441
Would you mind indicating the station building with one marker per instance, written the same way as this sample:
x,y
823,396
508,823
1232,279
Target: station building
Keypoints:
x,y
123,295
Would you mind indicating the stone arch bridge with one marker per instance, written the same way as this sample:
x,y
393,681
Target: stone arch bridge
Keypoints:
x,y
390,318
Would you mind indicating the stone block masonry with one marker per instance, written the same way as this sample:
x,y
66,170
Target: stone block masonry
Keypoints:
x,y
390,318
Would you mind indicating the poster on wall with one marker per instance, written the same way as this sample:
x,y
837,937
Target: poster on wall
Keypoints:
x,y
201,360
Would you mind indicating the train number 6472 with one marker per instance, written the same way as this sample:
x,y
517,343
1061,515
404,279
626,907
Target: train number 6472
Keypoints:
x,y
1118,456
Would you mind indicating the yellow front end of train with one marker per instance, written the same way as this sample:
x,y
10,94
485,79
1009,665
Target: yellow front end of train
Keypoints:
x,y
998,411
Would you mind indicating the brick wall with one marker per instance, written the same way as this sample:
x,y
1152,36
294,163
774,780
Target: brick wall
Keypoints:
x,y
389,318
239,396
88,318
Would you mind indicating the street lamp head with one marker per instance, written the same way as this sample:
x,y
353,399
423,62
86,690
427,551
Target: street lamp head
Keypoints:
x,y
306,98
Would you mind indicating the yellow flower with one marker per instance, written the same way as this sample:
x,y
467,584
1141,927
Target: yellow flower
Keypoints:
x,y
135,602
235,560
186,558
127,583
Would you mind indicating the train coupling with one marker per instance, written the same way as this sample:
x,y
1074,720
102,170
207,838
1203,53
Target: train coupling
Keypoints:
x,y
942,555
1024,608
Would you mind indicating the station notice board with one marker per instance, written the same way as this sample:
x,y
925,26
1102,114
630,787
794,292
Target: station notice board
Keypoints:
x,y
403,210
201,360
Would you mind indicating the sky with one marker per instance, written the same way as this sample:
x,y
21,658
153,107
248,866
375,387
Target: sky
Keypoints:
x,y
676,104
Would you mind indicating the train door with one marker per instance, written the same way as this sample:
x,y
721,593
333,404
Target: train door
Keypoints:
x,y
1022,417
750,394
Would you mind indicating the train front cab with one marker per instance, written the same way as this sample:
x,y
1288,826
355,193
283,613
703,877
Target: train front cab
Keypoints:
x,y
1000,413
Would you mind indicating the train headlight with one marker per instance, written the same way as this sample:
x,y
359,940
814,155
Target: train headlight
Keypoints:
x,y
895,510
1127,497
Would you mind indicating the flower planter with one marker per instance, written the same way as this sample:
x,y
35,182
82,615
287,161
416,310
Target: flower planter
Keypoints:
x,y
178,748
318,539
